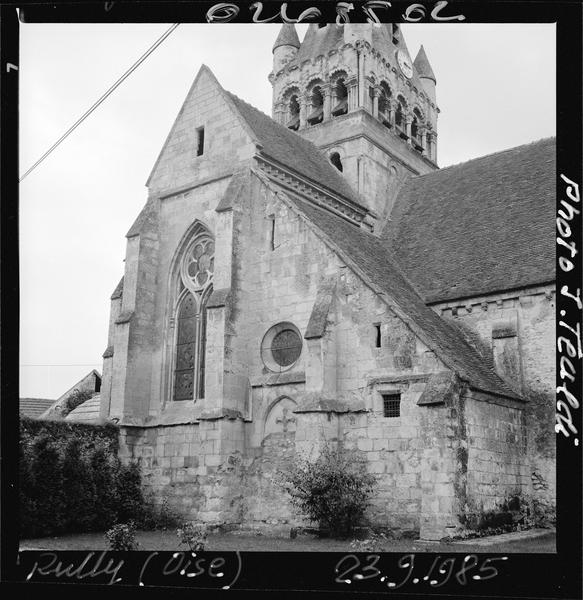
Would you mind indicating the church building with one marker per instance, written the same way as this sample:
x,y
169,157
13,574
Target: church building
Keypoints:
x,y
314,278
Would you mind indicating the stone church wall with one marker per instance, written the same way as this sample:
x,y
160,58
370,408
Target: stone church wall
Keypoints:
x,y
497,466
222,468
516,330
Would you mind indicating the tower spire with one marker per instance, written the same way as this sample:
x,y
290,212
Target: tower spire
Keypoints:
x,y
421,63
288,36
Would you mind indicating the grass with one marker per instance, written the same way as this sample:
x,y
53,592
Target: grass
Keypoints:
x,y
168,540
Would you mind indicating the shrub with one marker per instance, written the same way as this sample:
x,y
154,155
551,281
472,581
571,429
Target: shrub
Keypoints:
x,y
103,468
334,490
192,534
80,487
49,499
122,537
131,503
72,480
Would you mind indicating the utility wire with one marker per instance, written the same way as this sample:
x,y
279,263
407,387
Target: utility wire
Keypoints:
x,y
105,95
72,365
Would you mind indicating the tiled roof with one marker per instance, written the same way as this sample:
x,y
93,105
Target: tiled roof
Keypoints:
x,y
88,412
480,227
292,151
378,267
34,407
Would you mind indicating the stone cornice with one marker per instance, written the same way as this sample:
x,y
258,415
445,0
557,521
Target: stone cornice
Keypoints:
x,y
168,194
313,193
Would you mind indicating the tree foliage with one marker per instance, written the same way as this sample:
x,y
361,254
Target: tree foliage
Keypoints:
x,y
71,479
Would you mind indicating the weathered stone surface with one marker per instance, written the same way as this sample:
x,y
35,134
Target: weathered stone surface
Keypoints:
x,y
364,375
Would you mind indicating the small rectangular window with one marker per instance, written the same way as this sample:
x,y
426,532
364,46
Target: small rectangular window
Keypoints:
x,y
200,141
378,339
392,405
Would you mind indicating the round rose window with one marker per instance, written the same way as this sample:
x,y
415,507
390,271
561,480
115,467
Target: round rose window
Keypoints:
x,y
286,347
281,347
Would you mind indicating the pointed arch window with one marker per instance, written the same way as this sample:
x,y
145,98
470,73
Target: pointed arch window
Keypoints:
x,y
195,286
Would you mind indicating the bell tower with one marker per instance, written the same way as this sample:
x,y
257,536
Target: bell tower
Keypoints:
x,y
354,92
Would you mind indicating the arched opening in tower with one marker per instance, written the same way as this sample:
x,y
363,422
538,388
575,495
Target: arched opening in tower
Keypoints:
x,y
340,106
335,160
400,118
293,121
384,104
416,125
317,106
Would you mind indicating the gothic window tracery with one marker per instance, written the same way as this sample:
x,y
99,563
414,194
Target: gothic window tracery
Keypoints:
x,y
195,283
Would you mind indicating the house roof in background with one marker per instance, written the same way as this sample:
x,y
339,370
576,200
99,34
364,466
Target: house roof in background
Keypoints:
x,y
34,407
88,412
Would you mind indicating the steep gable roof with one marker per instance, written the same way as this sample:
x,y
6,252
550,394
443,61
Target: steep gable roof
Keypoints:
x,y
292,151
90,384
205,79
483,226
376,264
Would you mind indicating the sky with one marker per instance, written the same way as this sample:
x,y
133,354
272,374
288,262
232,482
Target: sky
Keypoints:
x,y
495,90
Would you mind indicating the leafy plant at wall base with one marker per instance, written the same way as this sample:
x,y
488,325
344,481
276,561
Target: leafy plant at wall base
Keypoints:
x,y
193,535
334,490
122,537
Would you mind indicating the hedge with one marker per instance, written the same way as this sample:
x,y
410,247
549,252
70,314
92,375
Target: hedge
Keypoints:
x,y
72,480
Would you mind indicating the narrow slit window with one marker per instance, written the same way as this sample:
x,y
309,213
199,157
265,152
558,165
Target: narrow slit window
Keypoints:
x,y
377,327
272,241
200,141
392,405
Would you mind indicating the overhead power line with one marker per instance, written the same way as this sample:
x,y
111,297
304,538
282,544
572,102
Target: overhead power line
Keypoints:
x,y
64,365
103,97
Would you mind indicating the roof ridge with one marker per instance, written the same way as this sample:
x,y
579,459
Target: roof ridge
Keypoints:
x,y
247,103
470,160
274,138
